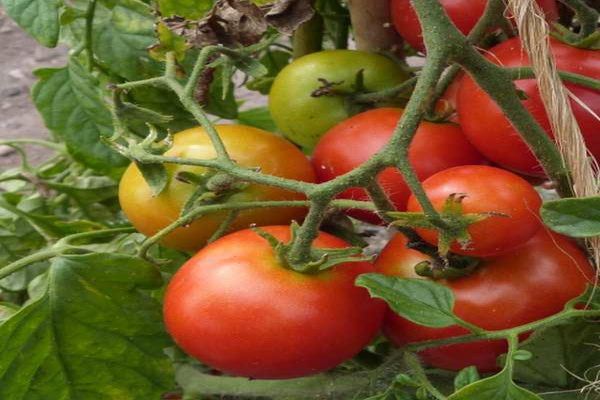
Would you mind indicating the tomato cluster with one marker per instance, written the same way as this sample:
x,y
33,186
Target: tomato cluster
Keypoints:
x,y
239,307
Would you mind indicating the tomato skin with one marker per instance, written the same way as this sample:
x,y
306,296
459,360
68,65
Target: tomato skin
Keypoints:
x,y
464,14
491,132
531,283
351,143
304,118
487,189
247,146
234,307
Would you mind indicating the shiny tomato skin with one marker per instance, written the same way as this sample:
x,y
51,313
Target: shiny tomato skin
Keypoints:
x,y
248,146
491,132
533,282
234,307
488,190
304,118
436,147
464,14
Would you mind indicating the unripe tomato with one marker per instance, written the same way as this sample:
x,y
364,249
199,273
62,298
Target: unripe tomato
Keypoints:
x,y
236,308
248,147
436,147
531,283
464,14
304,118
486,190
491,132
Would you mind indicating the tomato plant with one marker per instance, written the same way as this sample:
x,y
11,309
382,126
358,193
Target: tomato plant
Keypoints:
x,y
247,146
528,284
511,203
436,147
266,321
488,129
464,14
304,118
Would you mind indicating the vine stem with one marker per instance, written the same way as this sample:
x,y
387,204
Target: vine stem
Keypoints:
x,y
517,73
89,28
587,16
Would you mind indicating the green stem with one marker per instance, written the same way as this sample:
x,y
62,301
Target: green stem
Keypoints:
x,y
89,37
225,225
26,261
300,251
385,94
381,200
308,38
518,73
38,142
157,82
587,16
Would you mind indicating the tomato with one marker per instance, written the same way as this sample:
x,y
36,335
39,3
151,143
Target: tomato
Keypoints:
x,y
487,189
246,145
491,132
533,282
464,14
235,307
304,118
436,146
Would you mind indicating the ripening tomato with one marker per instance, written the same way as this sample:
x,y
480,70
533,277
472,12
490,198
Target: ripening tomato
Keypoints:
x,y
486,190
235,307
436,147
533,282
304,118
491,132
464,14
248,147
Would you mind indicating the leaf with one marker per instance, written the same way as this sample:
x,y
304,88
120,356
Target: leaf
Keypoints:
x,y
122,37
168,41
39,18
498,387
188,9
91,335
423,302
274,61
219,103
259,117
74,110
88,190
559,353
573,217
465,377
155,176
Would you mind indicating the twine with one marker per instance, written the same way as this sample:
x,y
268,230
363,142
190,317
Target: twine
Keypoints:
x,y
535,37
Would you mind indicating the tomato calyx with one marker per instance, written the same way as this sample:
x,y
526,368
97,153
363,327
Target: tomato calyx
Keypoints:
x,y
321,259
455,223
452,267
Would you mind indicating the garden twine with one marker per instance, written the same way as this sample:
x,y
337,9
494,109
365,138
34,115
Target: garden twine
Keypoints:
x,y
535,36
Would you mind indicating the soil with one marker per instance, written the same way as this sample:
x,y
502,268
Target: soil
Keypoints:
x,y
19,56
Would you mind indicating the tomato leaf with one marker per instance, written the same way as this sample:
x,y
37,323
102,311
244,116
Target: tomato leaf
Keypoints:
x,y
573,217
73,109
155,176
465,377
560,353
87,190
39,18
92,334
188,9
498,387
122,36
422,302
221,98
259,117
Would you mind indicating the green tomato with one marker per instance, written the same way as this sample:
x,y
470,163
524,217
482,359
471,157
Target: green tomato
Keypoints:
x,y
304,118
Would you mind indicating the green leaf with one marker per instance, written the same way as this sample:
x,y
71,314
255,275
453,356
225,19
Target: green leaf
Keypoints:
x,y
465,377
91,335
559,353
573,217
73,109
189,9
259,117
498,387
87,190
122,36
421,301
39,18
274,61
168,41
155,175
221,98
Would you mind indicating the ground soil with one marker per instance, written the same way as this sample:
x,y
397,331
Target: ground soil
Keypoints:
x,y
19,56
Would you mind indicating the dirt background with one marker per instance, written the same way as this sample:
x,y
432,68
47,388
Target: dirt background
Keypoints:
x,y
19,56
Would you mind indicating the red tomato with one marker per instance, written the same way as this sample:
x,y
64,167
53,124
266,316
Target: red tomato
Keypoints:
x,y
464,14
487,189
236,308
491,132
436,146
533,282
